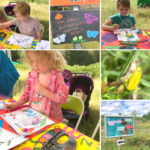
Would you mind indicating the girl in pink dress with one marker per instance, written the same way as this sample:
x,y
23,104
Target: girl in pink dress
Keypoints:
x,y
3,18
45,87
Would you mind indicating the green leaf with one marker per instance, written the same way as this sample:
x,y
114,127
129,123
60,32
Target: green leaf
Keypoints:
x,y
116,55
104,77
116,73
143,55
127,63
145,83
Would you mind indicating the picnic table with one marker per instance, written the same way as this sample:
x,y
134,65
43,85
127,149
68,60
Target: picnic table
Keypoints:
x,y
5,34
83,142
110,41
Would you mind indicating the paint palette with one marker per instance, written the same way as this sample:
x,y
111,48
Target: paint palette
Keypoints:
x,y
49,141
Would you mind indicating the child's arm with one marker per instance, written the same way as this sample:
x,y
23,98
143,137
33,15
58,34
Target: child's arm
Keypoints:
x,y
62,90
39,35
132,28
4,25
15,105
106,26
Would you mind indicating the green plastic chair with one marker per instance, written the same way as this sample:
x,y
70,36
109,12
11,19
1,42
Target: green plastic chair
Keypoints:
x,y
75,104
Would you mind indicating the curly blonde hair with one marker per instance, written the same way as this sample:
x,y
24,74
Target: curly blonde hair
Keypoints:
x,y
3,17
54,59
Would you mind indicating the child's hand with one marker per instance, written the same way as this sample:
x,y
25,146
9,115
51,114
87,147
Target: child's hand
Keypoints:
x,y
10,106
132,28
116,26
40,88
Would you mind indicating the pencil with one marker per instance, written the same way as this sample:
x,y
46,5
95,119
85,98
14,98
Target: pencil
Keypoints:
x,y
5,105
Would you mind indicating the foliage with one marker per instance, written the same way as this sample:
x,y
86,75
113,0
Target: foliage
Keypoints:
x,y
58,8
115,65
33,1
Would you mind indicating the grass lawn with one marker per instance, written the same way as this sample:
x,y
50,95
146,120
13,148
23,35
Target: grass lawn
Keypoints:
x,y
38,11
87,125
140,140
141,15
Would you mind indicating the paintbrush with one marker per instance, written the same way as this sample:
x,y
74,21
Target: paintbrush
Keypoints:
x,y
5,105
134,44
146,32
143,41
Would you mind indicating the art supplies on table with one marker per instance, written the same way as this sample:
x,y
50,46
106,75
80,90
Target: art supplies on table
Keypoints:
x,y
20,40
26,121
9,140
50,140
43,45
127,35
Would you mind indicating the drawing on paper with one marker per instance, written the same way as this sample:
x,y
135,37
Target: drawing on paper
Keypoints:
x,y
78,39
26,118
20,39
9,139
92,33
42,45
59,39
127,35
90,18
58,16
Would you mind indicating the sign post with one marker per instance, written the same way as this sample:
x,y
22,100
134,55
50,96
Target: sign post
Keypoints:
x,y
119,126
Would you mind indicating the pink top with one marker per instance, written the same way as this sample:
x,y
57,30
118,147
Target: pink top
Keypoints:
x,y
56,85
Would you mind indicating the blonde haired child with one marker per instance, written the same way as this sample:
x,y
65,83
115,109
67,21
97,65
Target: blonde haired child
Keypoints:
x,y
45,87
123,20
26,24
3,18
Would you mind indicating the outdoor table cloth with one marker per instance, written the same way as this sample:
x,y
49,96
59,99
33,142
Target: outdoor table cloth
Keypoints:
x,y
110,41
8,33
83,142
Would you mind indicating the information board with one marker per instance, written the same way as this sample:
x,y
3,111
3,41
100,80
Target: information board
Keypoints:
x,y
75,26
119,126
73,2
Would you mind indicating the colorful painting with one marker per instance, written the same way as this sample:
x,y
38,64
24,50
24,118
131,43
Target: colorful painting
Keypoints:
x,y
90,18
26,118
110,41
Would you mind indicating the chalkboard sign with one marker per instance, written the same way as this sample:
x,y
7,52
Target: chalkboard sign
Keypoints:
x,y
73,2
75,26
119,126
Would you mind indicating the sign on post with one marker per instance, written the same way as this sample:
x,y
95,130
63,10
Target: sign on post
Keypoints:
x,y
75,26
120,142
73,2
119,126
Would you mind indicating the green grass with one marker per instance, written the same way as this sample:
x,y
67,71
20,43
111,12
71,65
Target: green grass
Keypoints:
x,y
87,124
140,140
38,11
141,15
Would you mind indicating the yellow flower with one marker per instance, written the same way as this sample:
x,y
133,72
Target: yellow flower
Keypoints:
x,y
134,79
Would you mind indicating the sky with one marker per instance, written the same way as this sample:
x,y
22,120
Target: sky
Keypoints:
x,y
124,107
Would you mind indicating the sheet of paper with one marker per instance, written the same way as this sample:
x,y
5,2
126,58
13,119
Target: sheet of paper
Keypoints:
x,y
9,140
20,39
27,118
43,45
122,36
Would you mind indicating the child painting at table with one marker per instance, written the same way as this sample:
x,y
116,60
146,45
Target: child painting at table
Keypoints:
x,y
3,18
26,24
122,20
45,87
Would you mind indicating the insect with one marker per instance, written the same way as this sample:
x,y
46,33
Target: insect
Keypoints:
x,y
130,80
58,16
59,39
92,33
90,18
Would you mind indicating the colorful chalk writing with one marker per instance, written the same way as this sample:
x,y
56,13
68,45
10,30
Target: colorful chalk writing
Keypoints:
x,y
70,26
